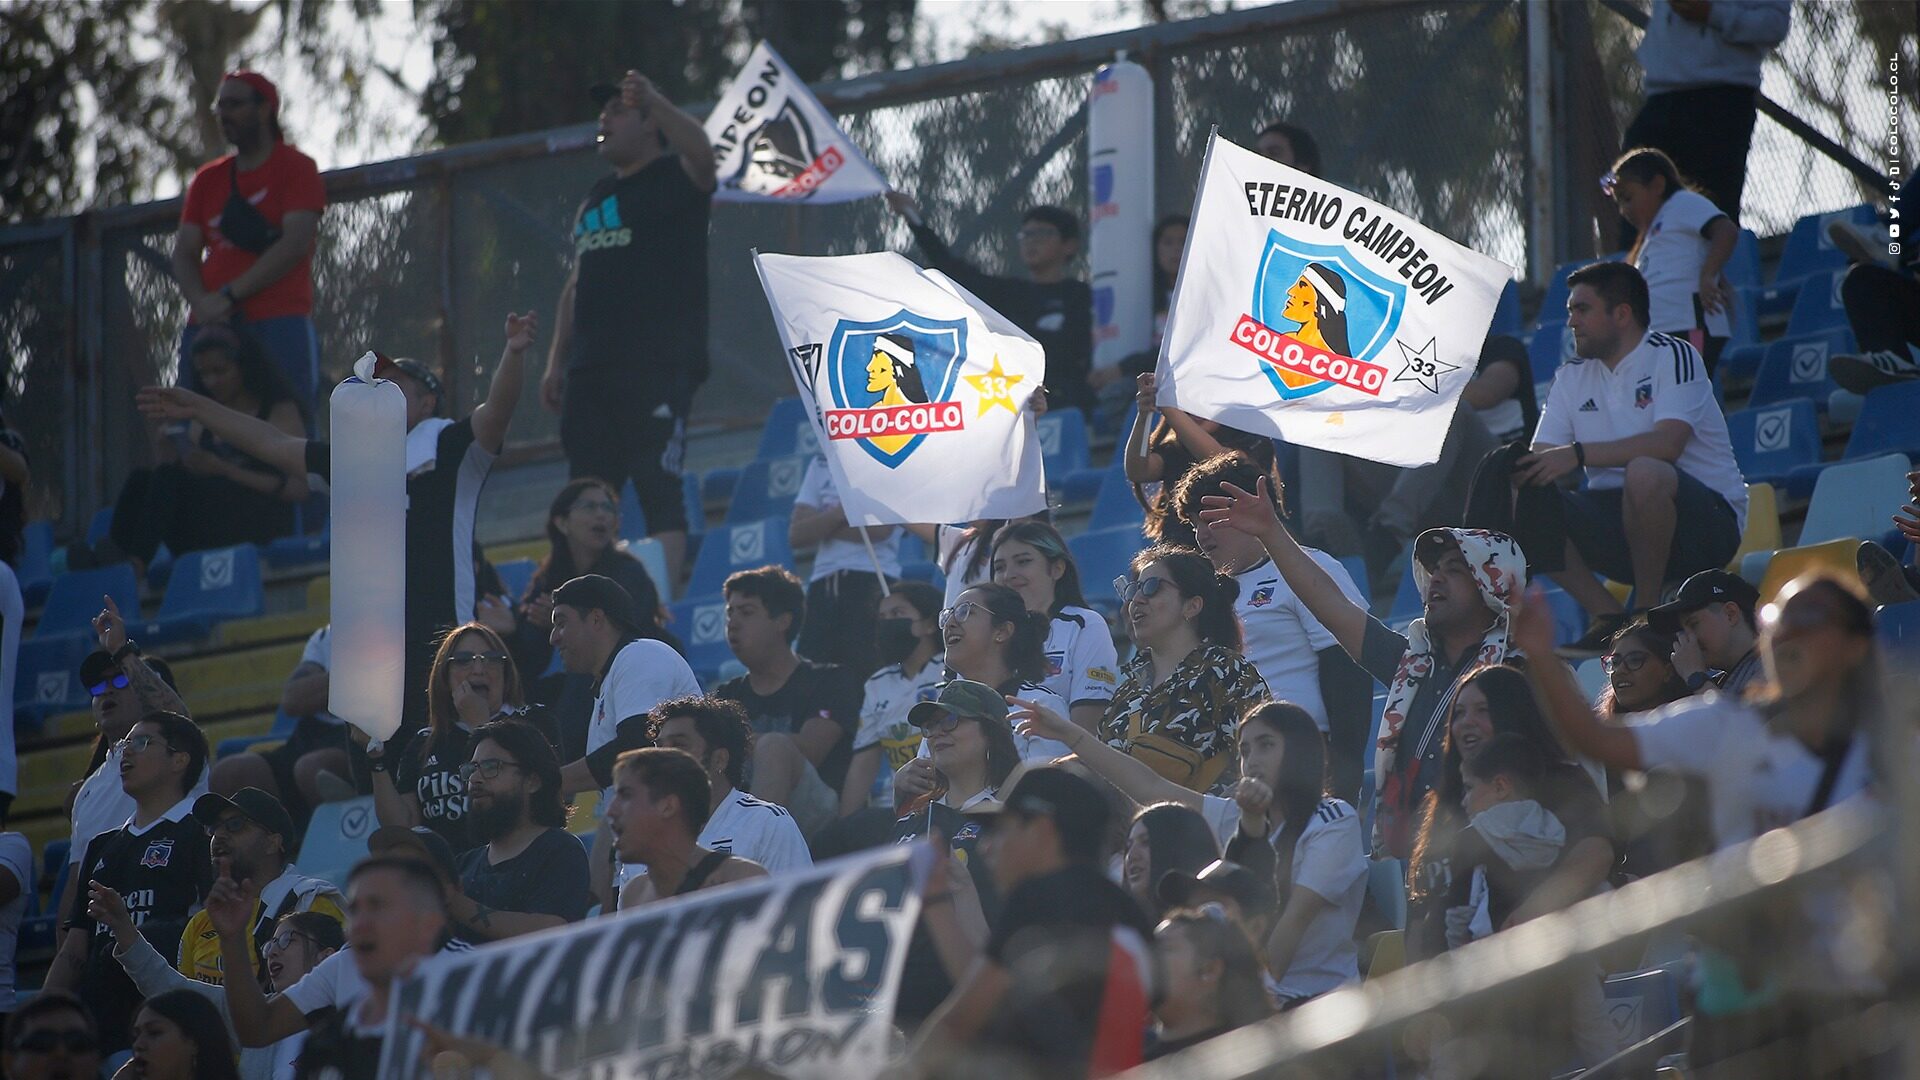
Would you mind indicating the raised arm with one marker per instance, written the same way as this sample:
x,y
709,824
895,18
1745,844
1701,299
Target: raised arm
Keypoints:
x,y
248,434
683,133
259,1020
1252,513
1135,779
1559,693
149,689
491,417
553,384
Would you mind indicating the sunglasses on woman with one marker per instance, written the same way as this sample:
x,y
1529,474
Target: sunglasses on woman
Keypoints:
x,y
1146,588
957,614
465,659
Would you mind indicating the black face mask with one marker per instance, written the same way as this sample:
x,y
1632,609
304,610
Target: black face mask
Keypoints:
x,y
894,640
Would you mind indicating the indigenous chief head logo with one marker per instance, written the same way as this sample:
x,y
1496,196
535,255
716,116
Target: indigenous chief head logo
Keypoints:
x,y
781,158
892,383
1319,319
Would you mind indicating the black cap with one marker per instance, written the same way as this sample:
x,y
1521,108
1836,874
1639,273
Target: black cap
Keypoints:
x,y
1703,588
422,374
590,591
419,842
1177,887
253,804
98,666
1079,813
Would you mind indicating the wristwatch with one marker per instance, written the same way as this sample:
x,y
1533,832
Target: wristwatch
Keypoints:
x,y
129,648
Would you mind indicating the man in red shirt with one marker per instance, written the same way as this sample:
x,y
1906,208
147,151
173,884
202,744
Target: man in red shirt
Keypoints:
x,y
243,254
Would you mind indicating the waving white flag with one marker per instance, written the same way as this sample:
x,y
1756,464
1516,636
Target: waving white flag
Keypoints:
x,y
774,142
1307,311
918,389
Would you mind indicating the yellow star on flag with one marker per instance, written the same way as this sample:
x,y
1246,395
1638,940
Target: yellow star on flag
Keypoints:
x,y
994,388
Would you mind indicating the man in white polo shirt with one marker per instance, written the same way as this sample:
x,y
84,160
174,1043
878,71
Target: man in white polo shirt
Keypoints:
x,y
1636,410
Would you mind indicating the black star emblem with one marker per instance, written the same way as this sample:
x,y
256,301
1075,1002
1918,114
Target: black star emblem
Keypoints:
x,y
1423,365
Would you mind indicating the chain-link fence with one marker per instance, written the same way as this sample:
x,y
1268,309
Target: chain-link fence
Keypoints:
x,y
1422,105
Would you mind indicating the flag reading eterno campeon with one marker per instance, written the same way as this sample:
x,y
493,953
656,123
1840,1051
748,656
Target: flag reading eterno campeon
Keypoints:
x,y
1308,311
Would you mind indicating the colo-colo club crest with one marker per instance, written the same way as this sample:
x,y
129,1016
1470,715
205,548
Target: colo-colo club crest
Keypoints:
x,y
1319,319
892,383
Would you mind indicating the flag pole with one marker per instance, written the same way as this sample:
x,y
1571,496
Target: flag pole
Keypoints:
x,y
875,559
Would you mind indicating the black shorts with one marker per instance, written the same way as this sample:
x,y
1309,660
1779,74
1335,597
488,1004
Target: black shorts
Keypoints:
x,y
1705,536
309,735
613,427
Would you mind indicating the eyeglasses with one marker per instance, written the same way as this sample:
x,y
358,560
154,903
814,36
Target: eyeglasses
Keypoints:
x,y
941,721
136,744
1632,661
46,1042
280,943
487,768
957,614
1145,588
99,689
465,659
1608,183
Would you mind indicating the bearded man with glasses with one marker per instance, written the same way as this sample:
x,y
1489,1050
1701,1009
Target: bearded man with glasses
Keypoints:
x,y
531,874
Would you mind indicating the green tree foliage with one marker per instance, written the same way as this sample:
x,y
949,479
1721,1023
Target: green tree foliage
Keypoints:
x,y
506,68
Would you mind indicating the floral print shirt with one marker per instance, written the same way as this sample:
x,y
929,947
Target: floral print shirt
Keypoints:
x,y
1200,704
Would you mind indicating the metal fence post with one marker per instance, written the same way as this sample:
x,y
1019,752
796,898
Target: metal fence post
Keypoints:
x,y
1541,174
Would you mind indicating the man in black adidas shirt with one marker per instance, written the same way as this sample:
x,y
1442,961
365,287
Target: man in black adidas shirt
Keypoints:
x,y
630,346
157,862
447,466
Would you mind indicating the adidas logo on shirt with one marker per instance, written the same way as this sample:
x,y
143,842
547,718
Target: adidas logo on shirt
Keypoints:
x,y
600,228
1590,406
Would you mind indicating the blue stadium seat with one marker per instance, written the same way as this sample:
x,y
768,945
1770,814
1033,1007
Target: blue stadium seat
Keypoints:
x,y
696,510
633,520
47,678
1114,505
1641,1003
1407,603
74,599
301,550
1569,618
1818,306
740,546
207,587
1101,557
1506,313
1545,349
766,489
1743,319
1889,423
35,568
515,575
1068,455
1740,361
337,838
99,525
1770,441
1808,252
283,726
1898,626
1356,568
917,561
789,431
702,628
716,485
1797,367
1743,269
1853,499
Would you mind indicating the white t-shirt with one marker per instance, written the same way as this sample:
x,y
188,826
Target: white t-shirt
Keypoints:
x,y
1670,259
336,982
891,693
952,550
16,856
103,805
835,555
1282,637
643,674
1663,378
761,831
1330,860
1082,665
319,653
1033,749
1758,778
1223,815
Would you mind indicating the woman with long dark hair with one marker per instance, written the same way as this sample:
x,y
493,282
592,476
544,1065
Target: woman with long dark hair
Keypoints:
x,y
1031,558
1165,837
1661,819
204,493
1180,696
179,1035
1681,246
1213,978
417,782
583,537
1159,453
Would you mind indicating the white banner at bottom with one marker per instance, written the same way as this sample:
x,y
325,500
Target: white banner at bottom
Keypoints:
x,y
794,975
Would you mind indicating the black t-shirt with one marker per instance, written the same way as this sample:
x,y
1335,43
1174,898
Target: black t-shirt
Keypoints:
x,y
548,878
640,300
163,872
1058,315
1055,938
923,981
336,1050
434,779
812,690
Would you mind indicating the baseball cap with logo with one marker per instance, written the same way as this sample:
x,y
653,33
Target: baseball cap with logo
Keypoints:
x,y
963,698
1702,589
253,804
1078,811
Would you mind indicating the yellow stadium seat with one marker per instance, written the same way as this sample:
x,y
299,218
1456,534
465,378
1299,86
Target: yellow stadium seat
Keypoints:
x,y
1835,556
1763,524
525,549
584,818
1387,950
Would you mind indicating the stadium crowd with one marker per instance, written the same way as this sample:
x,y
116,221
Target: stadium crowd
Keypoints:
x,y
1207,775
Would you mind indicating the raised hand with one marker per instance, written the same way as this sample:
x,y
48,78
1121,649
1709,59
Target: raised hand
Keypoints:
x,y
230,903
168,403
1145,389
1250,512
110,907
494,613
1037,721
1254,798
109,627
913,781
521,330
1530,624
1687,658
